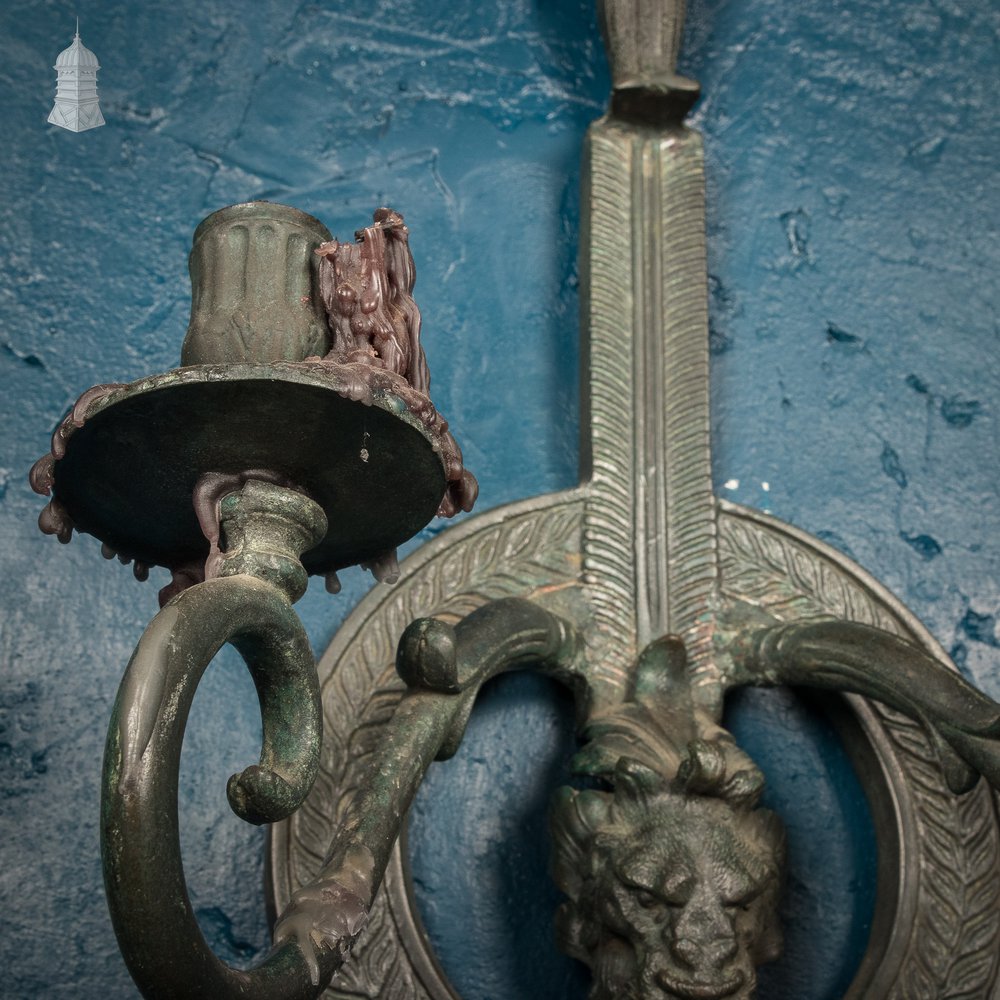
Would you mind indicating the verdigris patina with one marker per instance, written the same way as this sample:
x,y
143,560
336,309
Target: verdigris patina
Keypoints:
x,y
266,390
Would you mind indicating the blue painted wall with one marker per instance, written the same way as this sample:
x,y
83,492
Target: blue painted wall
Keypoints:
x,y
853,251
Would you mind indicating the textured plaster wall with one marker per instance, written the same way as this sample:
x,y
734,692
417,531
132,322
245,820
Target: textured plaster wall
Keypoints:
x,y
853,251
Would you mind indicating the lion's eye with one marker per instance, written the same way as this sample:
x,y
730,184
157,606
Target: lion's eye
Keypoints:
x,y
646,899
744,902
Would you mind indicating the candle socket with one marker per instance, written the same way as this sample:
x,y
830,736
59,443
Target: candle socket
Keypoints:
x,y
254,275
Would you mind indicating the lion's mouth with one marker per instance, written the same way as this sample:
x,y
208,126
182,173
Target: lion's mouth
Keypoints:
x,y
700,991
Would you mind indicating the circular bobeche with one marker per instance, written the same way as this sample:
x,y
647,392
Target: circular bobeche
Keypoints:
x,y
129,473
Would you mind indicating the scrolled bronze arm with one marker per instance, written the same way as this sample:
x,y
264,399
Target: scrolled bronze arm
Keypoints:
x,y
445,667
267,528
963,723
144,876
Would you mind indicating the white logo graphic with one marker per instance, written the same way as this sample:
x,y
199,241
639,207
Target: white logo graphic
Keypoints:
x,y
76,106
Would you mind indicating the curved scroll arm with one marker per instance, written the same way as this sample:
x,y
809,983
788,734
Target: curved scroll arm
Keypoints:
x,y
445,666
963,723
144,877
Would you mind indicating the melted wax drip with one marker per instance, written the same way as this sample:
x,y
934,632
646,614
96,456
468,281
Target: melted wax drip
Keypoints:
x,y
367,291
182,577
330,913
208,495
384,567
140,570
54,518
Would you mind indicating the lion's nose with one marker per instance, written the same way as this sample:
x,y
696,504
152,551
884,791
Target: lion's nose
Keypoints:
x,y
703,937
686,951
713,953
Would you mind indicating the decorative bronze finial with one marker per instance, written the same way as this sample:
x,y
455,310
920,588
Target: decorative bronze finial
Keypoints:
x,y
643,40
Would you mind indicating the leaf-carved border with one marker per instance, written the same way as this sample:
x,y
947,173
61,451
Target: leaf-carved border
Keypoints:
x,y
950,893
528,549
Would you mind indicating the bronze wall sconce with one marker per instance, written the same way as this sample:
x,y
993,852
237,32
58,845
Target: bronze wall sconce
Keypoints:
x,y
298,438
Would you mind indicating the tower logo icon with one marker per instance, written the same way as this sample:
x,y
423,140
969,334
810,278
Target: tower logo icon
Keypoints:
x,y
76,106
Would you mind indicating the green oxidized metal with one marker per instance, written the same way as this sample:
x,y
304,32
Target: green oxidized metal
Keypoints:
x,y
130,469
262,461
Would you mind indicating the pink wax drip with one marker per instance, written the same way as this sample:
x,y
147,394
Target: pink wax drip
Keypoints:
x,y
367,291
384,567
42,474
55,520
182,577
207,498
